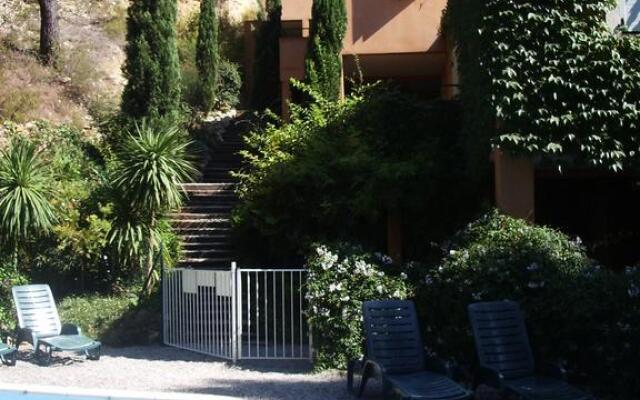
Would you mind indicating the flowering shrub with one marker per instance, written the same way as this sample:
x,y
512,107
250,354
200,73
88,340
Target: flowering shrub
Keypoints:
x,y
576,312
339,279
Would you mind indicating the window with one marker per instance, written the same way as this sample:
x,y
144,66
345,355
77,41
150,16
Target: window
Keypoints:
x,y
630,14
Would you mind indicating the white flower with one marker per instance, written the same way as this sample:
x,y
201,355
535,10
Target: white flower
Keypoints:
x,y
403,275
428,280
452,252
533,285
335,287
396,293
380,289
477,296
345,298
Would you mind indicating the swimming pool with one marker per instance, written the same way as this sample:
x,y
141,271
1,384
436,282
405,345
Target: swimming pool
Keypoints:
x,y
16,392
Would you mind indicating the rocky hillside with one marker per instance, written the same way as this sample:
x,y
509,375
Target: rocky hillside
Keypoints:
x,y
88,78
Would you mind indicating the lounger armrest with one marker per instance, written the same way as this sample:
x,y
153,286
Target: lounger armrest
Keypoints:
x,y
444,367
490,376
553,370
70,329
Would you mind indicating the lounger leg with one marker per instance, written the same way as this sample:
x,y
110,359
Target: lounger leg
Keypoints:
x,y
12,358
93,354
44,356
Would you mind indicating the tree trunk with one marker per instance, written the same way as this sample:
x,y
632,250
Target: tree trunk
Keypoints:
x,y
147,287
49,31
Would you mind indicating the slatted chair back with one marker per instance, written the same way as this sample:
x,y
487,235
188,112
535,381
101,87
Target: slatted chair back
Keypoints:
x,y
37,310
393,336
501,338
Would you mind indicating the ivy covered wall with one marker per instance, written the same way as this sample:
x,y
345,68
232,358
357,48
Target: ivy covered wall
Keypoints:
x,y
547,79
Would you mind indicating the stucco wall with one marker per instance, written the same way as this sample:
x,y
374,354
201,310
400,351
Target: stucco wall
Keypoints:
x,y
383,26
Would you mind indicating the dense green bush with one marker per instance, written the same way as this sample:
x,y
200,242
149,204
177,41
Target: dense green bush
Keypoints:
x,y
336,169
94,314
323,64
9,277
152,66
207,54
229,85
562,85
340,278
146,177
228,77
576,313
266,77
115,320
73,255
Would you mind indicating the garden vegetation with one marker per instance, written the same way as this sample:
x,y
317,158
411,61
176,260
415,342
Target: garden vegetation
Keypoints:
x,y
323,65
338,167
548,80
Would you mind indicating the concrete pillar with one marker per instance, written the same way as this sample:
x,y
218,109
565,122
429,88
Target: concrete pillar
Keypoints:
x,y
514,185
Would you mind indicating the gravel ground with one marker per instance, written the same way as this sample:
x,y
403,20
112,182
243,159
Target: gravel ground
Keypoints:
x,y
165,369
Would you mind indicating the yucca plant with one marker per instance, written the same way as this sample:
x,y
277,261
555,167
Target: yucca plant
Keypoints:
x,y
25,210
150,168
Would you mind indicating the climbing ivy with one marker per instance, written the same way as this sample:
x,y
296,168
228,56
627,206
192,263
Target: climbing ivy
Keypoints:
x,y
547,79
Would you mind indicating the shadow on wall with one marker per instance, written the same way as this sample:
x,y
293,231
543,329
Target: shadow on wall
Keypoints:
x,y
368,20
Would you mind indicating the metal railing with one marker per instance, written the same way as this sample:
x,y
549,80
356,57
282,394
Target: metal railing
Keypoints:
x,y
237,313
271,306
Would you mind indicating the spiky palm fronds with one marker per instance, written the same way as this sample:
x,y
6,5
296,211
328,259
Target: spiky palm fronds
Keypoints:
x,y
151,167
25,209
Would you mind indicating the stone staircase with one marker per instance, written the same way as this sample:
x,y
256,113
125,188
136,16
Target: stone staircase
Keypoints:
x,y
204,222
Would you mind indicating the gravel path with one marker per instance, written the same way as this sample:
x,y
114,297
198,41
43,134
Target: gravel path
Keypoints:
x,y
159,368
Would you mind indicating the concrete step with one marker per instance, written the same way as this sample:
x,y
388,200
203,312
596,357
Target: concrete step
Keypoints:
x,y
207,239
214,194
182,215
209,253
206,262
213,186
201,230
200,223
220,245
206,208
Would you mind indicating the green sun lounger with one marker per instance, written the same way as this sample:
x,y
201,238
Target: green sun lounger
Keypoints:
x,y
505,357
40,325
7,354
396,356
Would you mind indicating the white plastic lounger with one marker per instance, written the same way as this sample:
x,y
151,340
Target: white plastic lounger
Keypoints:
x,y
40,325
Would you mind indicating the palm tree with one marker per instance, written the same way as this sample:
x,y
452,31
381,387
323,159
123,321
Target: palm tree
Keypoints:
x,y
25,211
150,168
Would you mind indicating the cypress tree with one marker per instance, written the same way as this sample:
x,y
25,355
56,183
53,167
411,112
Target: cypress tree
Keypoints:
x,y
266,86
152,67
207,57
323,66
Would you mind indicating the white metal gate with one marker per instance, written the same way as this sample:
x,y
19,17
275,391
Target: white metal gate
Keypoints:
x,y
237,313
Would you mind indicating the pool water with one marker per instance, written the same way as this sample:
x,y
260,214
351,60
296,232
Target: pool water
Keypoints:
x,y
13,392
12,395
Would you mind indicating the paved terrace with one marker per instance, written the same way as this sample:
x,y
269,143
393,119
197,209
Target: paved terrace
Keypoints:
x,y
166,369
